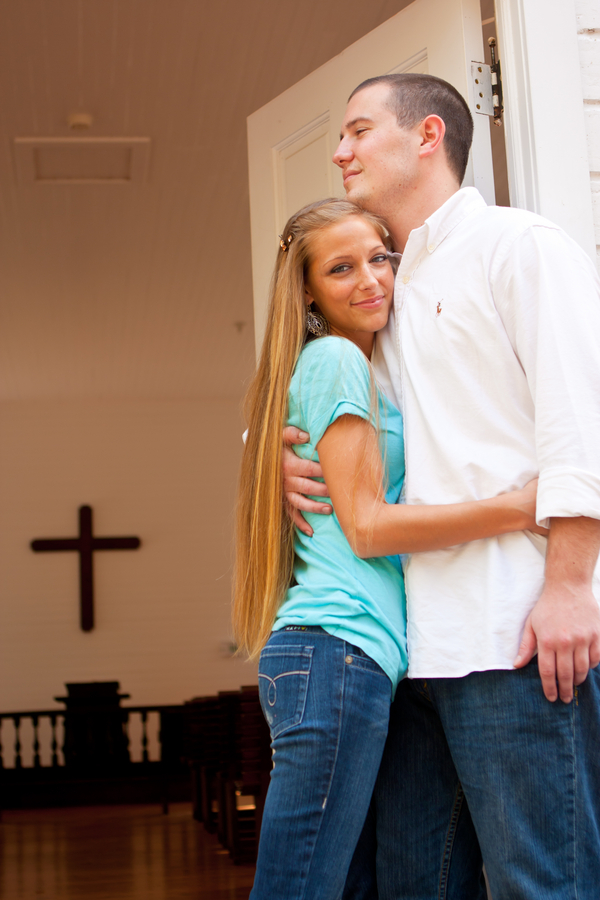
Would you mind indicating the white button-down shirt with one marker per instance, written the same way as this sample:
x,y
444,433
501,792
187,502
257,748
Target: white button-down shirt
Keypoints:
x,y
492,352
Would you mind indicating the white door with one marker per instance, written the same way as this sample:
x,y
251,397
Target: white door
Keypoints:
x,y
291,140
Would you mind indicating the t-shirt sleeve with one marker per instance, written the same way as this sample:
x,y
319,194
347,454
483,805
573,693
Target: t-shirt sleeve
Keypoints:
x,y
332,379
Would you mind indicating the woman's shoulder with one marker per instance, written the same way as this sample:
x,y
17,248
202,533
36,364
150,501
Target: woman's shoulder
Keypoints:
x,y
330,352
328,369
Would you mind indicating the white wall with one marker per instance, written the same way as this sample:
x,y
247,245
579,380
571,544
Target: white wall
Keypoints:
x,y
588,33
163,470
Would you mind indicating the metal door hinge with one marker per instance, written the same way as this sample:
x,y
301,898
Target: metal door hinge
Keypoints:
x,y
487,86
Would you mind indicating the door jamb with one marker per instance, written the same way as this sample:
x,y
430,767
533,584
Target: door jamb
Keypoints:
x,y
546,143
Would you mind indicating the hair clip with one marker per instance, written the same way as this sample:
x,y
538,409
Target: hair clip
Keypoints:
x,y
284,244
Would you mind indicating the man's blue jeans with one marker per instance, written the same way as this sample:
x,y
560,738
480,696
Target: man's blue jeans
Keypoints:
x,y
328,706
485,761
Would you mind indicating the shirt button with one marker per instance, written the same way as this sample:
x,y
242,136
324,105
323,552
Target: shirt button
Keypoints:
x,y
348,659
406,279
431,248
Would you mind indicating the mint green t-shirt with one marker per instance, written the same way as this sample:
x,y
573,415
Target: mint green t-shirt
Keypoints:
x,y
361,601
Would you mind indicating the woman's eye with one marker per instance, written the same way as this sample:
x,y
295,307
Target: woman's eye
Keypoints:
x,y
341,268
381,257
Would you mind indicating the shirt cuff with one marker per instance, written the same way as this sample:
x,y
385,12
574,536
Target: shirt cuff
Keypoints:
x,y
567,492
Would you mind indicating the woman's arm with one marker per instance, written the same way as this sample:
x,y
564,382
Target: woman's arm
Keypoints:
x,y
351,463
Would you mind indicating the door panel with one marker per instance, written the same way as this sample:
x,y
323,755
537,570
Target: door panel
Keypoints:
x,y
303,172
292,138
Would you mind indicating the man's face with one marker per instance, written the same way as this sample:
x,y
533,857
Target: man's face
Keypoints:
x,y
378,159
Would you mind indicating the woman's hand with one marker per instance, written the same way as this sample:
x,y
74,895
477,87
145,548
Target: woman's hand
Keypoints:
x,y
527,501
298,475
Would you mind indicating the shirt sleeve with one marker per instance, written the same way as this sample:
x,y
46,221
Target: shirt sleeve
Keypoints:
x,y
548,295
332,379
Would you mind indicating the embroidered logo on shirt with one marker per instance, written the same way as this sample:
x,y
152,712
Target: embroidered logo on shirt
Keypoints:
x,y
438,310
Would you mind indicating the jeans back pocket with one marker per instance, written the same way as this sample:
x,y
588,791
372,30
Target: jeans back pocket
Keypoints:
x,y
283,674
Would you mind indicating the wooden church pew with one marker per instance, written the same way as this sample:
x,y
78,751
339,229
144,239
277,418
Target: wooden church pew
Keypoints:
x,y
227,742
247,790
202,740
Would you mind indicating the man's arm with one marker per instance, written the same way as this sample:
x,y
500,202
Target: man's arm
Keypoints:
x,y
298,475
564,625
548,296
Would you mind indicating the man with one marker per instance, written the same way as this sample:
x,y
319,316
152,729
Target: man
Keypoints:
x,y
492,353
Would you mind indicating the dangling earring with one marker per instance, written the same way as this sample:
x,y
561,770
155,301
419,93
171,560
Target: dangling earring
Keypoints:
x,y
316,323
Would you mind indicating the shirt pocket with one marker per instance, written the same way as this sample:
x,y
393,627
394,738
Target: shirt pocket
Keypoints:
x,y
283,675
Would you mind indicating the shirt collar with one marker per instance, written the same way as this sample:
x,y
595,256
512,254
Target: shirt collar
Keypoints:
x,y
439,225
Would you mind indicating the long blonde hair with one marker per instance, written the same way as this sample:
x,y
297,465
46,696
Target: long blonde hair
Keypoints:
x,y
264,531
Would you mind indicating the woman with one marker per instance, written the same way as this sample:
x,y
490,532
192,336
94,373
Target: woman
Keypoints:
x,y
334,642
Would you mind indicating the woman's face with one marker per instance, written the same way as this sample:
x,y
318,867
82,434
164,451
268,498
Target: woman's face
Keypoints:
x,y
350,280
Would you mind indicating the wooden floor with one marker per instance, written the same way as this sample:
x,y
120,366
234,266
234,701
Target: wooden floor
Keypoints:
x,y
115,853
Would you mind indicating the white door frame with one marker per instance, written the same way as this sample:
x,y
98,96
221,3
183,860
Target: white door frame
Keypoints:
x,y
546,142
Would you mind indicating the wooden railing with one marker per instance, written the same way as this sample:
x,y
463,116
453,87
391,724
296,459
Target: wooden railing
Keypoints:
x,y
17,719
56,719
36,751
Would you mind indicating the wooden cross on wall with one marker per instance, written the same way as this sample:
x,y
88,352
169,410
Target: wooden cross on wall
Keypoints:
x,y
85,545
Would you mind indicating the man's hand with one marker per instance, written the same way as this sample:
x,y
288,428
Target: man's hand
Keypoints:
x,y
564,625
297,481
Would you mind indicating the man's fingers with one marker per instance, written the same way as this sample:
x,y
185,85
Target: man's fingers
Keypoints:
x,y
295,502
581,664
528,646
299,520
293,435
298,475
595,653
299,501
294,467
547,669
566,621
293,485
565,674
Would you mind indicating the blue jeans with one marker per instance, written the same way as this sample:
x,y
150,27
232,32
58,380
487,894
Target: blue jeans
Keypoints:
x,y
485,761
328,706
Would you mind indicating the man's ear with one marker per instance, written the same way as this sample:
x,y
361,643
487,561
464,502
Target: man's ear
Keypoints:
x,y
432,130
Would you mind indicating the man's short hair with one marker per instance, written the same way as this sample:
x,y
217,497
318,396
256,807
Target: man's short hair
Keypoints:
x,y
414,97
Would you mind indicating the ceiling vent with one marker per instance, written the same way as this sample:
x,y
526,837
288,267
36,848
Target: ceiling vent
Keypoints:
x,y
82,160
